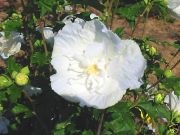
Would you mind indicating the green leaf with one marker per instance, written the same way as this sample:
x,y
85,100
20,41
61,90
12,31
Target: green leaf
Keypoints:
x,y
173,83
3,96
40,59
161,129
155,110
45,6
93,3
60,128
121,106
14,93
130,12
96,114
87,132
146,1
119,31
12,65
122,121
20,108
5,81
11,24
25,70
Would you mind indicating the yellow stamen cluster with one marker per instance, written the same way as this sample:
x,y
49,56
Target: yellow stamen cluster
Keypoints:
x,y
92,70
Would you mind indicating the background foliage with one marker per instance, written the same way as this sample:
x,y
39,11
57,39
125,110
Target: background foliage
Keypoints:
x,y
47,113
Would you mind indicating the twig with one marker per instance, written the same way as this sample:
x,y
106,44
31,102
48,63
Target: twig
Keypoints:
x,y
113,13
42,24
137,22
163,78
144,28
175,64
26,33
100,123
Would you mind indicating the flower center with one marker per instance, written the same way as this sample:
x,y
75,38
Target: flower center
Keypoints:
x,y
92,70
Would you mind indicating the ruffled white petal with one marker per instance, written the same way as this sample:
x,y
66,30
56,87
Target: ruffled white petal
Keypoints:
x,y
93,16
11,45
68,8
174,102
131,65
174,6
94,66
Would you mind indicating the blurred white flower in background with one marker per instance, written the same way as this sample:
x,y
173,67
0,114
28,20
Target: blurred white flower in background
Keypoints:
x,y
94,16
174,6
174,101
4,122
32,91
49,35
68,8
11,45
94,66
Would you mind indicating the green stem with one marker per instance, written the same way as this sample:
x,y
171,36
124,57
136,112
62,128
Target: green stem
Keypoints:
x,y
44,40
26,32
100,123
113,12
144,28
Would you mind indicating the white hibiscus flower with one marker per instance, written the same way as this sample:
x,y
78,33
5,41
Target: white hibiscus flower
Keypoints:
x,y
174,6
94,66
174,102
10,46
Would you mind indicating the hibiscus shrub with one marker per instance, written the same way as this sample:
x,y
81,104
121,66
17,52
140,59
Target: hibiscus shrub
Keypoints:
x,y
63,71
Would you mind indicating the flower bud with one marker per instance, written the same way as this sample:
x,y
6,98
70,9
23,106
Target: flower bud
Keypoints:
x,y
177,119
13,75
161,86
168,73
21,79
25,70
15,15
170,132
5,81
152,51
175,114
159,98
1,107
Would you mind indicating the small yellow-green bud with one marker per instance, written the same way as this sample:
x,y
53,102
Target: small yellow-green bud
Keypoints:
x,y
165,2
15,15
152,51
25,70
13,75
1,107
168,73
161,86
177,119
175,114
170,132
159,98
21,79
5,81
